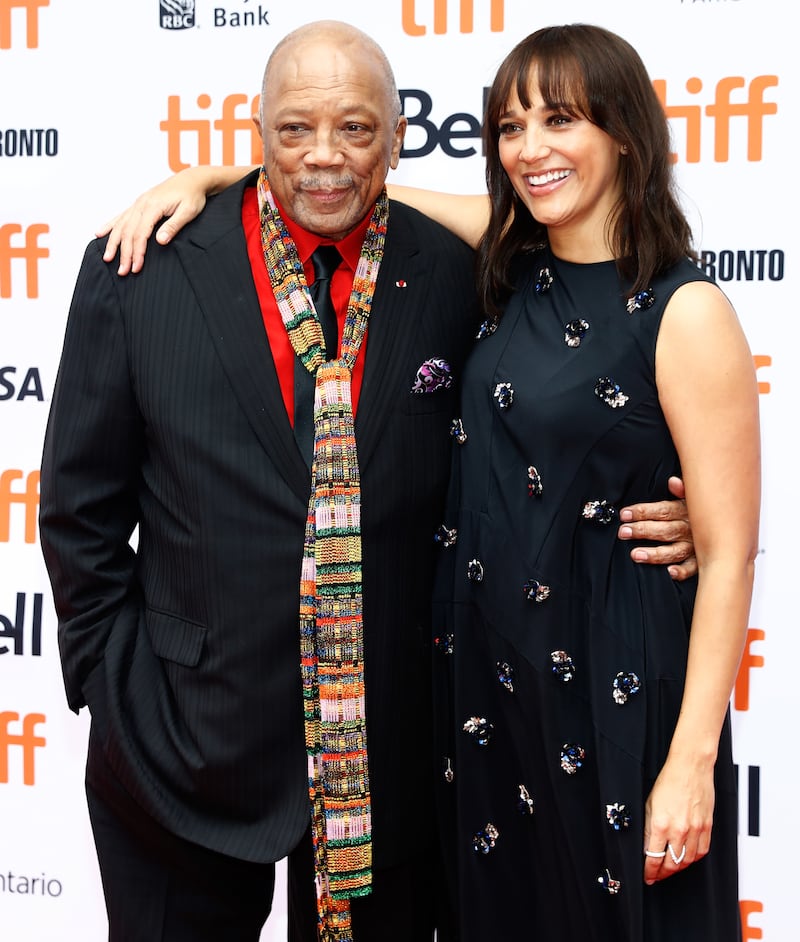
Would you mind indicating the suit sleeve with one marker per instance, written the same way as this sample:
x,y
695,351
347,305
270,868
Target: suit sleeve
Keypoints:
x,y
90,471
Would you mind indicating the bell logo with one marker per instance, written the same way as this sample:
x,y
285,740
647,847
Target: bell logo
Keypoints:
x,y
749,790
31,16
176,14
14,631
30,251
28,497
26,739
466,17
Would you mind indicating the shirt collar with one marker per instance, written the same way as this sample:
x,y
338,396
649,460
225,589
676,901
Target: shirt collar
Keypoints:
x,y
307,242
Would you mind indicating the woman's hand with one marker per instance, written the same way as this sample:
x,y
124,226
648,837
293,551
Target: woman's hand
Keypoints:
x,y
177,200
678,816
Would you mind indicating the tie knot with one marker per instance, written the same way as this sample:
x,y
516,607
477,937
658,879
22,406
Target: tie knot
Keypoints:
x,y
325,260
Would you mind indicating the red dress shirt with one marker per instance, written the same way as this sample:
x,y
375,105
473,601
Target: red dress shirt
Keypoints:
x,y
341,286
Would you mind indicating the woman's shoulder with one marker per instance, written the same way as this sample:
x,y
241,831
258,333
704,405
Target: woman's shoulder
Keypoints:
x,y
685,271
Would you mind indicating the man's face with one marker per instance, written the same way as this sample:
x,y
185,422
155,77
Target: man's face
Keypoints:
x,y
329,132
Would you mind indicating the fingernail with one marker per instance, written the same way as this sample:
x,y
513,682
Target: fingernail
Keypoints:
x,y
626,515
639,555
625,533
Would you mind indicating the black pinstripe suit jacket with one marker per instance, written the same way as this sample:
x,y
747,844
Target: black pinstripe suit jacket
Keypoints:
x,y
167,422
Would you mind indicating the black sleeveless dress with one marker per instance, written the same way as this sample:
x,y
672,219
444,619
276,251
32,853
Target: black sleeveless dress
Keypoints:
x,y
559,663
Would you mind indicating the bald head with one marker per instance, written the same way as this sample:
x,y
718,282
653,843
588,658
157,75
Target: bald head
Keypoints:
x,y
330,126
352,41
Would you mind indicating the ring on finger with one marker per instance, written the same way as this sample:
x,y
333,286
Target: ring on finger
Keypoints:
x,y
677,859
655,853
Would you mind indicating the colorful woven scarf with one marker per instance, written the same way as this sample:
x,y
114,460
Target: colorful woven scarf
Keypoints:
x,y
331,627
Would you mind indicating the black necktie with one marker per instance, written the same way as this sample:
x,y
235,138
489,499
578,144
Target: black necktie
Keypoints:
x,y
325,261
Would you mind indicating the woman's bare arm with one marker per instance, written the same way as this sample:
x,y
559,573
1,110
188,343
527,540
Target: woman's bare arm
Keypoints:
x,y
708,391
179,198
465,216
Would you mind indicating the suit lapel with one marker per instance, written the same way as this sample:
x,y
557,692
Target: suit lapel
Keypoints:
x,y
215,259
400,293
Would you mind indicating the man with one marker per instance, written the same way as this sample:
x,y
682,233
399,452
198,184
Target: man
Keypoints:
x,y
173,413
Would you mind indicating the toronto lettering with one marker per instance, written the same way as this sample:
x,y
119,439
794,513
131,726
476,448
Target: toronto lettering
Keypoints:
x,y
744,264
29,142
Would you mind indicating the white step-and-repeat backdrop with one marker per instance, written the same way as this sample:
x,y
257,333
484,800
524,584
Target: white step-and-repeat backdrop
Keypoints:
x,y
101,98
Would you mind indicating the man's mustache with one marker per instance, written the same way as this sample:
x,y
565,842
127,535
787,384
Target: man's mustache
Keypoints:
x,y
326,183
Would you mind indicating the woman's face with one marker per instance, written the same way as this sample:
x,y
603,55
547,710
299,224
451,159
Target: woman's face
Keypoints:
x,y
563,168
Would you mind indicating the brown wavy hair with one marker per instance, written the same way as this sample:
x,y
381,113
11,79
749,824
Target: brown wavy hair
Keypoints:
x,y
590,72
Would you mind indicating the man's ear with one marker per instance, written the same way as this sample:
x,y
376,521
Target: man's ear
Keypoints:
x,y
397,142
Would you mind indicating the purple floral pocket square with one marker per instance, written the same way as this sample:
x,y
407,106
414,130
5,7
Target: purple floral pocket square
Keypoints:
x,y
434,374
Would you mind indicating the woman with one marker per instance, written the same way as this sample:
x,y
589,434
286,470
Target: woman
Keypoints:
x,y
586,764
588,699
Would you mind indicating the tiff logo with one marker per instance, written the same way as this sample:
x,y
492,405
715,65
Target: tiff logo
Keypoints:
x,y
30,252
28,497
26,739
762,360
228,126
746,909
31,12
14,631
741,692
754,109
466,19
